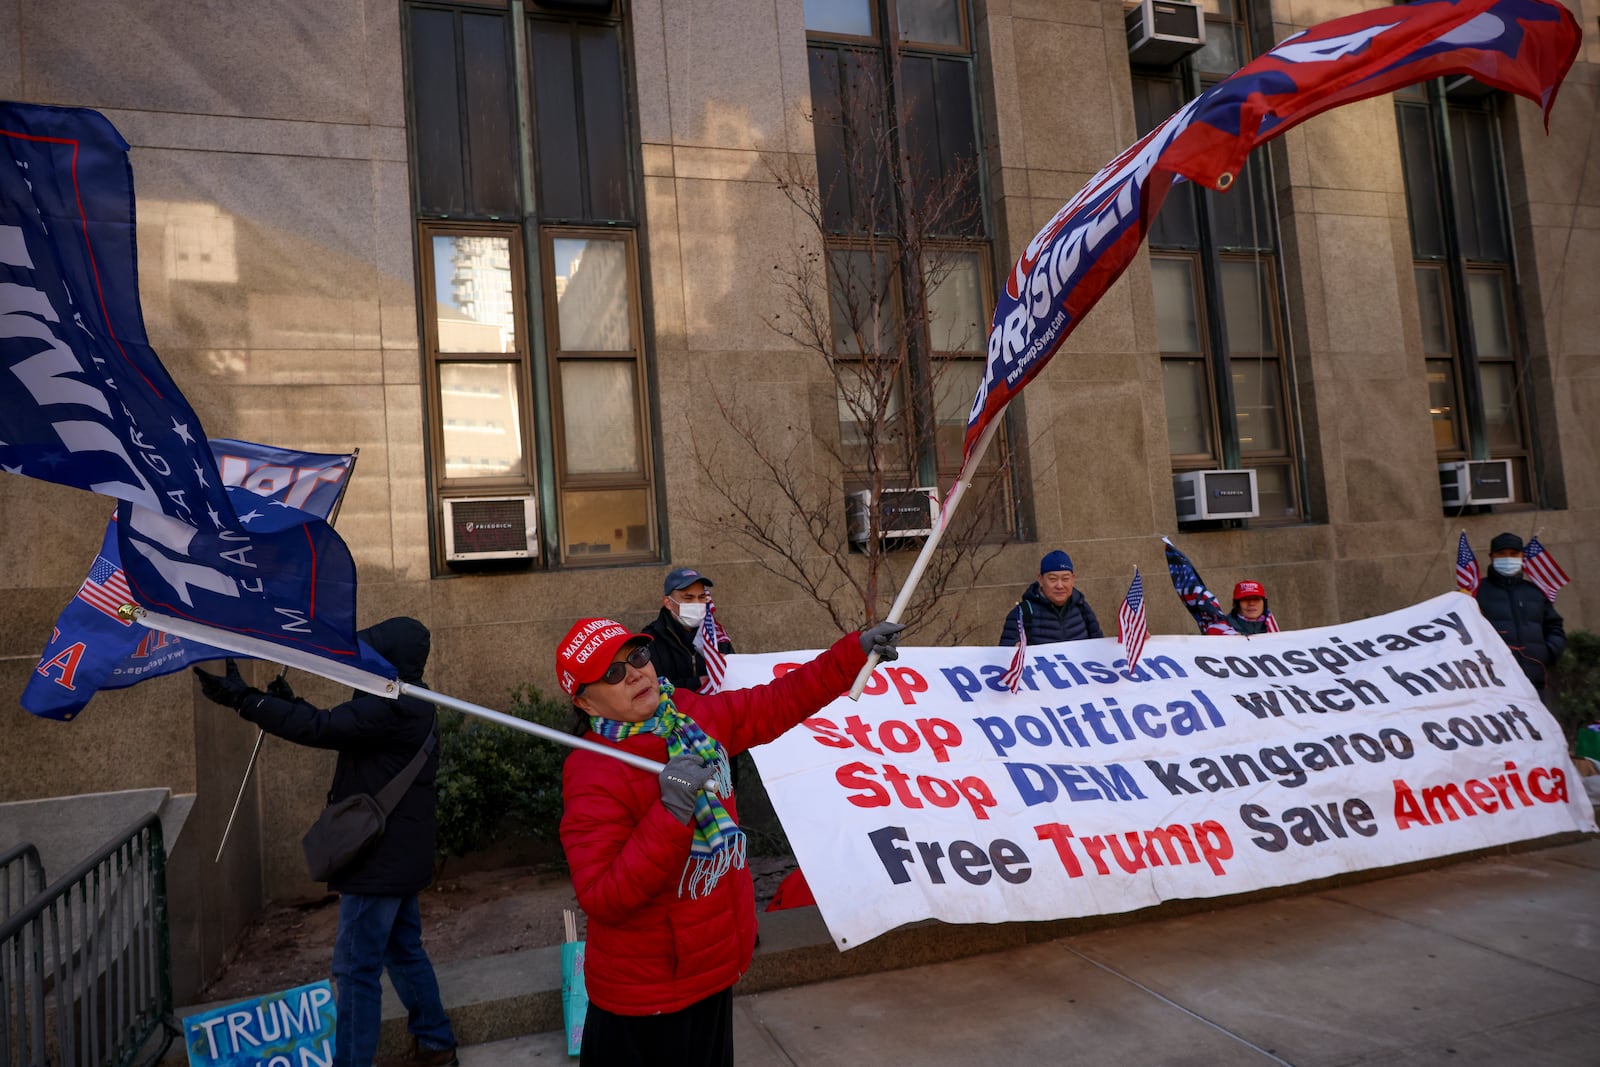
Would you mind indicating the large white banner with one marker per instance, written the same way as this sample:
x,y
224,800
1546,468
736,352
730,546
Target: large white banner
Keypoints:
x,y
1221,765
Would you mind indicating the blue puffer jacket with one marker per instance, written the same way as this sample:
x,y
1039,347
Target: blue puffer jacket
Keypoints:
x,y
1046,623
1525,620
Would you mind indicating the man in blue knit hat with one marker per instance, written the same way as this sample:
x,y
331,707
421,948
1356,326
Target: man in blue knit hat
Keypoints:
x,y
1052,609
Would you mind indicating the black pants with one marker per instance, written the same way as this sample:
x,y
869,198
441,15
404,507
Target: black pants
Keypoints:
x,y
700,1035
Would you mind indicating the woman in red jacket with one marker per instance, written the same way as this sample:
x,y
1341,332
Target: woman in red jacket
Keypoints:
x,y
658,862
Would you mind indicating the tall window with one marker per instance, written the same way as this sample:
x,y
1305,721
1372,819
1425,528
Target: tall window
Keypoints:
x,y
1461,249
1219,321
530,267
909,257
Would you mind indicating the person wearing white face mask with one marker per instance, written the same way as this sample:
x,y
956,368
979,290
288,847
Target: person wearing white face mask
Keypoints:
x,y
685,597
1519,611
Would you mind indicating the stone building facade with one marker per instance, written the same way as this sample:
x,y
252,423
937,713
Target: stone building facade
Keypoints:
x,y
511,248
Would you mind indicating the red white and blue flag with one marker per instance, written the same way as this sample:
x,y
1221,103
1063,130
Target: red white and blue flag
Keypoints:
x,y
106,589
709,639
1013,675
1542,569
1203,605
1522,46
1132,629
1467,576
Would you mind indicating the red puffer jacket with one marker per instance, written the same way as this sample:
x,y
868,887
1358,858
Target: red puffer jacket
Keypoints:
x,y
649,949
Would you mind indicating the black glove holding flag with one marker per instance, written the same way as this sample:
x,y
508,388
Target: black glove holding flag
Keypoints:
x,y
230,689
280,689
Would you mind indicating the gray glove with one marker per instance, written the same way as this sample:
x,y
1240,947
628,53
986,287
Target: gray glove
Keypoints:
x,y
880,640
681,780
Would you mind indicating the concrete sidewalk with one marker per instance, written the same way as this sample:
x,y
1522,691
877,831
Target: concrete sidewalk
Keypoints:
x,y
1493,961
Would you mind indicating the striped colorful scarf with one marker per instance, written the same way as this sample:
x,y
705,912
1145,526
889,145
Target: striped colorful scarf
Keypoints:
x,y
718,842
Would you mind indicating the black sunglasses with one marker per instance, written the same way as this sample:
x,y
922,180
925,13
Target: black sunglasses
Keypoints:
x,y
619,670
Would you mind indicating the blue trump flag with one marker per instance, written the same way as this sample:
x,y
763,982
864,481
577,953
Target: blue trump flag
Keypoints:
x,y
93,648
85,402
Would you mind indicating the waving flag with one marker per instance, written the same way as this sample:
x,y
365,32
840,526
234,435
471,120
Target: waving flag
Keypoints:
x,y
1132,628
1467,576
85,402
1013,675
106,588
1202,603
93,648
1522,46
1542,569
709,638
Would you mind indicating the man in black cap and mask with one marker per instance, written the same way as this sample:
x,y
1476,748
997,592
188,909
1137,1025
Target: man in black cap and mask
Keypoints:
x,y
379,924
1519,611
685,599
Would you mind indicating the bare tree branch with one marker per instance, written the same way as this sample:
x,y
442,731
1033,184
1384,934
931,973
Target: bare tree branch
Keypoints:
x,y
865,294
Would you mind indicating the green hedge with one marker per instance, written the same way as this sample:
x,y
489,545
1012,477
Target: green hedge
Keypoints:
x,y
1575,683
495,781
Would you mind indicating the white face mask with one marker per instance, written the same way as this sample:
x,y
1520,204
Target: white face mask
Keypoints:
x,y
691,615
1506,565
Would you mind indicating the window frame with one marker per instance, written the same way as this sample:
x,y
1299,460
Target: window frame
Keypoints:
x,y
865,223
1193,461
1456,268
566,482
539,410
1209,257
888,249
875,40
433,357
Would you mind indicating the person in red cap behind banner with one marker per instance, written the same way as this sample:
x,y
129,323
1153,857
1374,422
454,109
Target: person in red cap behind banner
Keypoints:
x,y
657,861
1250,614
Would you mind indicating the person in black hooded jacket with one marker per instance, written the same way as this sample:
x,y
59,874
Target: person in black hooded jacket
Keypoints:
x,y
1523,617
379,922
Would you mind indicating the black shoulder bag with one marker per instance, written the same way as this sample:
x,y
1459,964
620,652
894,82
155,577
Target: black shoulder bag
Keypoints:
x,y
347,829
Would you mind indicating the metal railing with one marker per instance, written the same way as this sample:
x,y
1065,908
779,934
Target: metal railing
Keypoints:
x,y
84,967
21,878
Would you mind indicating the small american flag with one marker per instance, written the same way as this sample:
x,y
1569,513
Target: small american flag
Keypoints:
x,y
1131,626
1013,675
1543,570
708,639
106,589
1467,576
1272,624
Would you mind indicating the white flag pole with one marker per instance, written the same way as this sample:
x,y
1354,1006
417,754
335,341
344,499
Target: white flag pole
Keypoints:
x,y
365,681
903,601
261,735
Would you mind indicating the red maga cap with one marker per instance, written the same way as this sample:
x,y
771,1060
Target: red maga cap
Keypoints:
x,y
1249,589
588,649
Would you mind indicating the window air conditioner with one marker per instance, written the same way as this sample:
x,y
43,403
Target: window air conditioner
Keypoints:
x,y
1206,496
1161,32
490,527
1477,481
901,513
